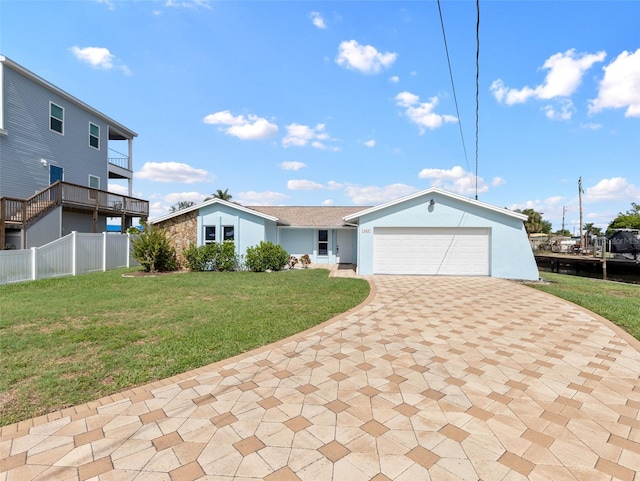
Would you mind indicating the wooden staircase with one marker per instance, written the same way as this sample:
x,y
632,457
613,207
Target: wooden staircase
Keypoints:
x,y
21,213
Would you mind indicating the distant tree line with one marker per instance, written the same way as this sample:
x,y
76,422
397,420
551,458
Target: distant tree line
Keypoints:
x,y
535,224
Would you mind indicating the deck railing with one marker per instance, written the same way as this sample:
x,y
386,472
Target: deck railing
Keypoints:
x,y
22,212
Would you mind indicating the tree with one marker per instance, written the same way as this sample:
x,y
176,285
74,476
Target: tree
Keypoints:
x,y
628,220
221,194
535,224
183,204
590,230
563,233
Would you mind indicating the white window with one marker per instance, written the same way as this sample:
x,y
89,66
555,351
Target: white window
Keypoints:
x,y
56,118
323,242
209,234
94,136
94,183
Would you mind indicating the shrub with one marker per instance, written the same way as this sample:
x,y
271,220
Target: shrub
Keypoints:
x,y
266,256
153,251
212,257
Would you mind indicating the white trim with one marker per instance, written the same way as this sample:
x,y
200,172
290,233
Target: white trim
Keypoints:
x,y
51,116
435,190
91,135
209,202
2,131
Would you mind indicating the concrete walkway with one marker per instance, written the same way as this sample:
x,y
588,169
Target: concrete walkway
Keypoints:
x,y
432,379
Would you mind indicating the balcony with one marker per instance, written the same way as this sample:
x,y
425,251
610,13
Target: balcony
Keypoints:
x,y
119,165
20,213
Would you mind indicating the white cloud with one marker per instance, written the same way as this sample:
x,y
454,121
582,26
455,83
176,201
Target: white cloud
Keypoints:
x,y
565,72
118,189
497,181
261,198
591,126
175,197
363,58
108,3
292,165
303,185
455,179
620,87
373,195
97,57
172,172
245,128
422,113
301,135
563,111
328,202
191,4
616,188
370,143
318,20
394,79
311,185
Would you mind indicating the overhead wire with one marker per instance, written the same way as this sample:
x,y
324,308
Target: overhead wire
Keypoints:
x,y
453,88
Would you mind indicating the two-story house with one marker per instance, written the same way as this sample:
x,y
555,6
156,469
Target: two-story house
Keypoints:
x,y
57,155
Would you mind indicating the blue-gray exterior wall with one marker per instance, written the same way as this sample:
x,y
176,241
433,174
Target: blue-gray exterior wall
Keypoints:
x,y
300,241
47,229
249,229
28,140
510,253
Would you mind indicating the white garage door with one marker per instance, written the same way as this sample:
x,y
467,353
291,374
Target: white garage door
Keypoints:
x,y
431,251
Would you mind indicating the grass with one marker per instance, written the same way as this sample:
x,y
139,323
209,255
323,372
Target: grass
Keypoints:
x,y
618,302
71,340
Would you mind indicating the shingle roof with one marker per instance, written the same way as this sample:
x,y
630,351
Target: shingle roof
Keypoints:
x,y
318,216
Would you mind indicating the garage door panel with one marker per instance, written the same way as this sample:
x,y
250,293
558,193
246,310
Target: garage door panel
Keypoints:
x,y
431,251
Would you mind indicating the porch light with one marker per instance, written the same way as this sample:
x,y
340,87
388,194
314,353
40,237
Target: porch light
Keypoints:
x,y
43,162
432,203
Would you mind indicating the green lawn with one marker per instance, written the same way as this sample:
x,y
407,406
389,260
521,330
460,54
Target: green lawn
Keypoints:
x,y
71,340
618,302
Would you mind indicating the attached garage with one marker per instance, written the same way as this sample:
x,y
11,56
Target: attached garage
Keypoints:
x,y
447,251
439,233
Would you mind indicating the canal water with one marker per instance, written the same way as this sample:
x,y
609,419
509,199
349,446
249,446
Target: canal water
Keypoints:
x,y
621,271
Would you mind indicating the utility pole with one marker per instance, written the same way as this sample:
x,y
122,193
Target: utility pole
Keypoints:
x,y
580,198
564,211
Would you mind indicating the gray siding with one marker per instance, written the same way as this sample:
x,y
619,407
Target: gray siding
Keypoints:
x,y
81,222
28,139
45,230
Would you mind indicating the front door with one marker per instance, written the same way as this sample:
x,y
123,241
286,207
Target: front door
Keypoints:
x,y
55,174
344,247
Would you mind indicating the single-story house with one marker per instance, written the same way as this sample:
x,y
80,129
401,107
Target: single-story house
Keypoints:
x,y
432,232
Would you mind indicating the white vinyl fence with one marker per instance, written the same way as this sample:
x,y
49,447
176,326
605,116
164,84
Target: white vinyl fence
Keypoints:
x,y
74,254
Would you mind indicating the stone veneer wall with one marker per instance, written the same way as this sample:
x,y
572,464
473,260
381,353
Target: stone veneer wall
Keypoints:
x,y
182,232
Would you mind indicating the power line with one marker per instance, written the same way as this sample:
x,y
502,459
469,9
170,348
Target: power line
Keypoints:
x,y
453,87
477,85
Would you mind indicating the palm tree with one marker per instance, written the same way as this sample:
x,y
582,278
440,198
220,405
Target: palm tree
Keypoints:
x,y
222,195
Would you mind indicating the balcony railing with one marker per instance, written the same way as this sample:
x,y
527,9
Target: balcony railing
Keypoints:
x,y
120,162
78,197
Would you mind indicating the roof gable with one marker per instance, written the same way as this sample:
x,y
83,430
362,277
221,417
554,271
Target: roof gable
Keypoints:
x,y
209,202
114,126
434,190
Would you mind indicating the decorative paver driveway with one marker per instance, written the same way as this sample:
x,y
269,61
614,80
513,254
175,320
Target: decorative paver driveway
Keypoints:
x,y
433,379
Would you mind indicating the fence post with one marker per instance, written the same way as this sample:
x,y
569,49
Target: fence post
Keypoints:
x,y
104,251
128,250
74,257
34,267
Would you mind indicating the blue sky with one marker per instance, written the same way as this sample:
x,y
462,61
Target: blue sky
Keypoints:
x,y
350,103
